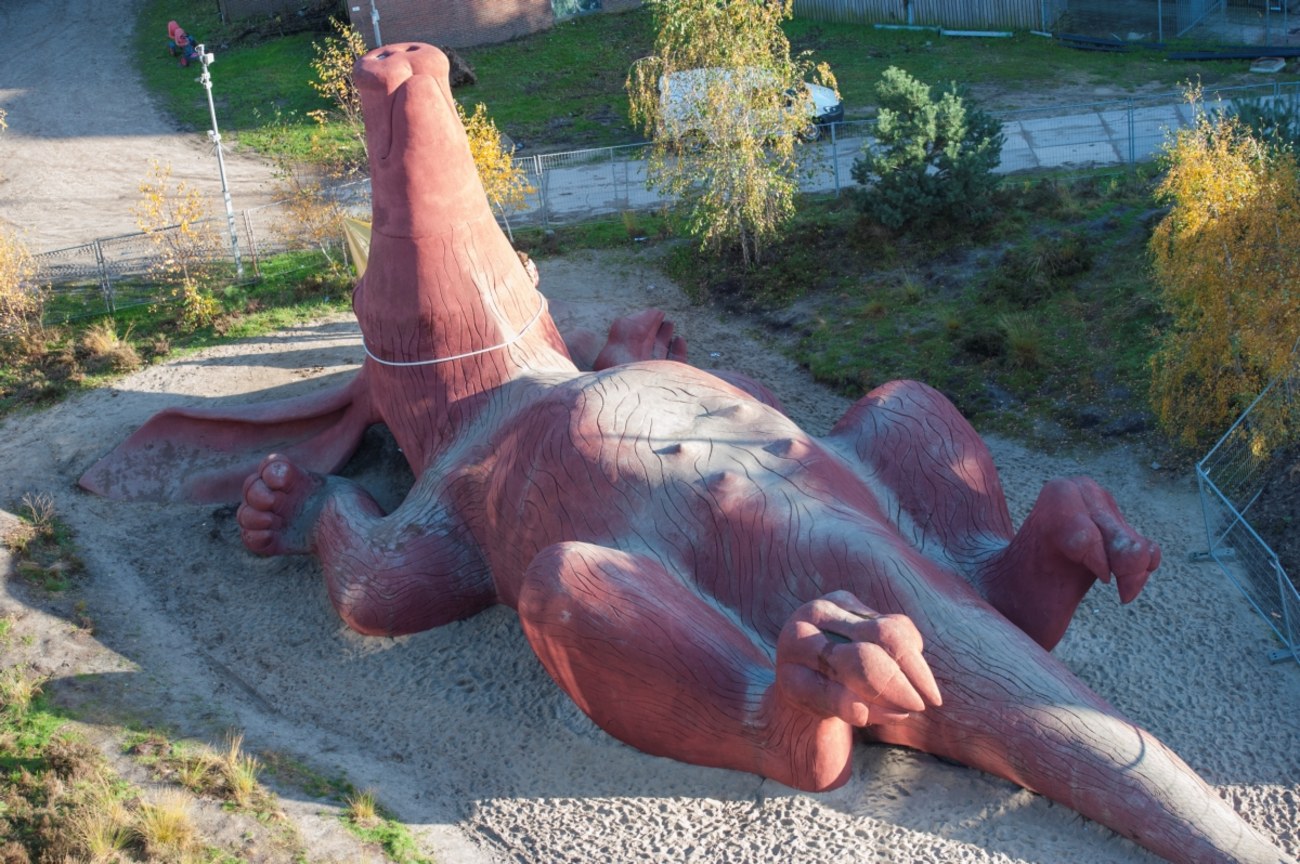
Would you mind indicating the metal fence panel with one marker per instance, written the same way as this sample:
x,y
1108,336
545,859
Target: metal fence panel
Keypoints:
x,y
951,14
577,185
1232,477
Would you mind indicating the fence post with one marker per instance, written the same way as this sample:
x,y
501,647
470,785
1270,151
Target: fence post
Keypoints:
x,y
252,244
541,190
105,283
613,180
835,156
1132,136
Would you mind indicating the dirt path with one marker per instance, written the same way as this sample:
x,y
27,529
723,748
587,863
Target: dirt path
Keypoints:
x,y
82,130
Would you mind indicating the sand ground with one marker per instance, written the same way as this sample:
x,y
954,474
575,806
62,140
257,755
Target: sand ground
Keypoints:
x,y
465,737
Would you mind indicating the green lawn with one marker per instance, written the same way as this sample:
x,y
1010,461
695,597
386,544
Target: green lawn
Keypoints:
x,y
1039,324
562,89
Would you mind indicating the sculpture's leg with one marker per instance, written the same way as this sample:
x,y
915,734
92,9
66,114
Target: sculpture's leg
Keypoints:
x,y
661,668
937,481
386,575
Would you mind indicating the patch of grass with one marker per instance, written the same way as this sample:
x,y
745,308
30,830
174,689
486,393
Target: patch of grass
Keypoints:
x,y
43,544
1020,67
563,88
90,352
1022,324
293,772
633,230
366,819
259,82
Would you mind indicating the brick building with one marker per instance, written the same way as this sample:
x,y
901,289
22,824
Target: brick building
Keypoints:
x,y
461,23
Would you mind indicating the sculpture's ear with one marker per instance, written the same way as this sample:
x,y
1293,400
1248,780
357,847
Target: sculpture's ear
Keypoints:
x,y
202,456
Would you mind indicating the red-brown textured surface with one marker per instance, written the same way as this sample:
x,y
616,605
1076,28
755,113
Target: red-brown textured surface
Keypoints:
x,y
707,581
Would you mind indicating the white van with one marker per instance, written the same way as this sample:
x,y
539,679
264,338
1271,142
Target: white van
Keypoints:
x,y
684,100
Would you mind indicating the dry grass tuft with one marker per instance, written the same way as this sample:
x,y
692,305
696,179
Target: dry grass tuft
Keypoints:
x,y
362,808
106,351
102,826
165,825
18,687
199,772
240,771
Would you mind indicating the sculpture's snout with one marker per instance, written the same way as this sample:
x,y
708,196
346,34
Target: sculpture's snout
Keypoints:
x,y
387,67
421,171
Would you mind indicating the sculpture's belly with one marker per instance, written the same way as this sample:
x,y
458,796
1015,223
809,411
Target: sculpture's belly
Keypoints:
x,y
654,459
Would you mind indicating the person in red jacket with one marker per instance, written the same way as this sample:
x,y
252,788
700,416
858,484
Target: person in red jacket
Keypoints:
x,y
180,43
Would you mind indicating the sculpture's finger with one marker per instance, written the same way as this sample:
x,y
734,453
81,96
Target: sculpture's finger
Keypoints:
x,y
1131,583
868,670
278,473
663,340
258,542
865,669
677,349
817,694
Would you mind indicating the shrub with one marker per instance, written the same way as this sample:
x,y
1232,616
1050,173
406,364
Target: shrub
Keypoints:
x,y
932,160
175,217
1225,262
1273,120
22,301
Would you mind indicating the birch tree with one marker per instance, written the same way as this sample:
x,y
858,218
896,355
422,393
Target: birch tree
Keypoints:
x,y
724,105
1224,258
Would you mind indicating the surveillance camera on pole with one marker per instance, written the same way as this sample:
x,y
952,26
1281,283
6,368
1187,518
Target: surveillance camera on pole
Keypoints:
x,y
215,137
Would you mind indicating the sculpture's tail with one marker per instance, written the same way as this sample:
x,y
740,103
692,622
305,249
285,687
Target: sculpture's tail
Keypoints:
x,y
200,455
1013,710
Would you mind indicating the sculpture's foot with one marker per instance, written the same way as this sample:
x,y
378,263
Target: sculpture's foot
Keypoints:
x,y
838,658
280,505
646,335
1074,535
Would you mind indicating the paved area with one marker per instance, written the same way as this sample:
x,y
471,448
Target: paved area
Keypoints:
x,y
83,131
574,186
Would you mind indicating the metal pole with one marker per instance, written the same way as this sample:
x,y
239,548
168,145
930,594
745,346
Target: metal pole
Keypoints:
x,y
374,22
206,80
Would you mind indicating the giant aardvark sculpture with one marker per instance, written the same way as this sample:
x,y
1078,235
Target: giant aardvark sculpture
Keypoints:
x,y
706,580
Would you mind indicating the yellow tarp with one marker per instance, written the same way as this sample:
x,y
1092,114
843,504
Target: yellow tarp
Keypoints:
x,y
358,237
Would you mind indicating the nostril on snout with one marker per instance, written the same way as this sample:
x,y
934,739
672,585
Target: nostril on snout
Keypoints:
x,y
384,55
413,48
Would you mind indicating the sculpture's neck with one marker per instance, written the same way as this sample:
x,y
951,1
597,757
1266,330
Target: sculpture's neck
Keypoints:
x,y
446,318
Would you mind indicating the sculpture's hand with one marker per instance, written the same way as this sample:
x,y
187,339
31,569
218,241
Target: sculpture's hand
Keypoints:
x,y
838,658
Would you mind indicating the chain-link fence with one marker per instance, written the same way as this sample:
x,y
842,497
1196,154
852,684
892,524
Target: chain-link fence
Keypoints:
x,y
607,182
1245,476
1110,24
112,273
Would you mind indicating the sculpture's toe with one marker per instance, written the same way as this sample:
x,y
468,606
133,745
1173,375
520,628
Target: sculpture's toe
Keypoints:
x,y
1104,542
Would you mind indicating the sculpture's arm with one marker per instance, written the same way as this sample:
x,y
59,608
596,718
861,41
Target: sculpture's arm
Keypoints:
x,y
635,648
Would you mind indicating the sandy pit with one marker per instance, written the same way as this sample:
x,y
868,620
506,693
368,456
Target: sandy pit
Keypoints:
x,y
465,737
